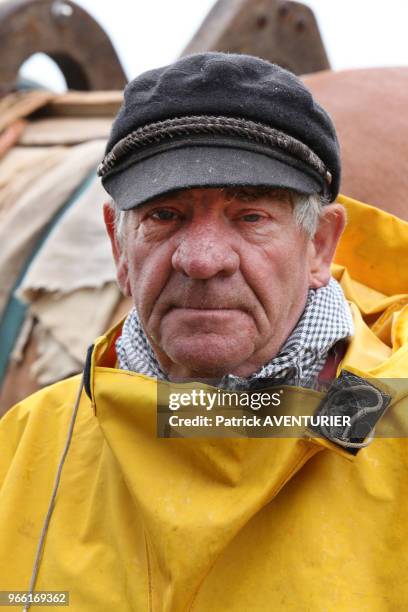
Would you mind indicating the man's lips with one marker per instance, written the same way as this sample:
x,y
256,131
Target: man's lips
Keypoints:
x,y
207,310
205,317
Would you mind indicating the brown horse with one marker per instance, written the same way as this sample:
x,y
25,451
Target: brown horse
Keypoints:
x,y
369,110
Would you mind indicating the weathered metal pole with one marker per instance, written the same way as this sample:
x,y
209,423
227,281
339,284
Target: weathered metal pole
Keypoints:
x,y
280,31
67,34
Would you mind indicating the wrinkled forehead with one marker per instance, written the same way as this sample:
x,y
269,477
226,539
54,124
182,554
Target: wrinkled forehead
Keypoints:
x,y
224,194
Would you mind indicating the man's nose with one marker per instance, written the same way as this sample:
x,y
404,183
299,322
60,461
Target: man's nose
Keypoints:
x,y
204,252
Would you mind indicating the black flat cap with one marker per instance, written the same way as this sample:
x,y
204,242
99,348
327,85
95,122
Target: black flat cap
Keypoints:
x,y
214,120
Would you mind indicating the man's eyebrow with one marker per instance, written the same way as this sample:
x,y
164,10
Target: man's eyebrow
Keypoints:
x,y
177,194
157,201
248,194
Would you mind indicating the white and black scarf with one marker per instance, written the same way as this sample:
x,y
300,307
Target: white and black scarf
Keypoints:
x,y
326,319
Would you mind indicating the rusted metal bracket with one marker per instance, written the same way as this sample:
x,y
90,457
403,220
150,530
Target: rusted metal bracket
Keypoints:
x,y
67,34
280,31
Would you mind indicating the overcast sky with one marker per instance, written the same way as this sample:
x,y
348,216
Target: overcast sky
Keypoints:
x,y
150,33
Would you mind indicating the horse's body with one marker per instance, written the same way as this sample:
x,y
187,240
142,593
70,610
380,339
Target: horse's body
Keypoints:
x,y
369,110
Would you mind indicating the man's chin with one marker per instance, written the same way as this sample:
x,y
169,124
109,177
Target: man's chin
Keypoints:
x,y
208,355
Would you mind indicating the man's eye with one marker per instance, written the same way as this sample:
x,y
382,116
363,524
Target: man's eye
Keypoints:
x,y
251,217
164,215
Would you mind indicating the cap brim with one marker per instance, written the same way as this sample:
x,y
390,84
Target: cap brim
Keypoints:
x,y
204,166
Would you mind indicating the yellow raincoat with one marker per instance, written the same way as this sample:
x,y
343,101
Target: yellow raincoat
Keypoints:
x,y
173,525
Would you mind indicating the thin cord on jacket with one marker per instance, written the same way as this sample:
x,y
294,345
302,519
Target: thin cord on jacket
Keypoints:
x,y
51,505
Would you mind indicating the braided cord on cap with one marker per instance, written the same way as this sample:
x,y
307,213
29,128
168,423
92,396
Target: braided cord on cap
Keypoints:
x,y
226,126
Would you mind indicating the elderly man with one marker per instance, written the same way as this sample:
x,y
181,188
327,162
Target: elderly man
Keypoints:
x,y
221,170
223,173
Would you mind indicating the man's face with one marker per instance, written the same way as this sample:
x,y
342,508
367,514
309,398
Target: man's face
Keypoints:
x,y
219,277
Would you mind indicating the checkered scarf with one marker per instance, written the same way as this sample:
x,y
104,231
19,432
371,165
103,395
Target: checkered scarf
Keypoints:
x,y
326,319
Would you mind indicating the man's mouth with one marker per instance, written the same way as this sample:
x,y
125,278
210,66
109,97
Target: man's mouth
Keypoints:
x,y
206,319
207,309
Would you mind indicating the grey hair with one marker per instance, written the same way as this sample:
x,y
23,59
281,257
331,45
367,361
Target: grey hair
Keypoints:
x,y
307,210
118,221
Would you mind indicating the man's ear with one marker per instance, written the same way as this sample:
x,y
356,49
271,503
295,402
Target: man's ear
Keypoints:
x,y
119,253
324,243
